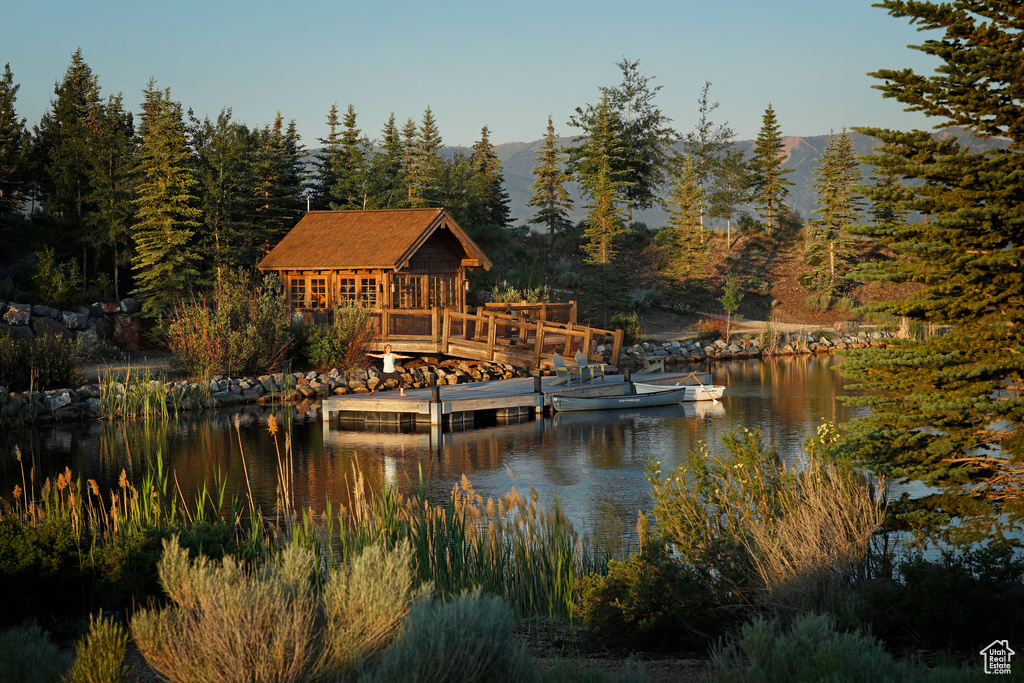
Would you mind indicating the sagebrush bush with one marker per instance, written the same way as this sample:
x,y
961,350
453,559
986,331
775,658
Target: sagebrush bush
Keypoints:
x,y
48,361
238,329
99,657
469,639
812,649
27,655
232,622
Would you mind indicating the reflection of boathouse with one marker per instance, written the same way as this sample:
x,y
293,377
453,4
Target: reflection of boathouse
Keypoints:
x,y
409,268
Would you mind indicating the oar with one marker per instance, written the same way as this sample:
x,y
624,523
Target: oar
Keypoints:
x,y
694,375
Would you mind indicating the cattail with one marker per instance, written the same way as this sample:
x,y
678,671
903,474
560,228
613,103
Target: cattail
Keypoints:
x,y
272,424
94,487
17,492
123,481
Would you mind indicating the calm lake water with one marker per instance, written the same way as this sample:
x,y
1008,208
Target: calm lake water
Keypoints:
x,y
593,462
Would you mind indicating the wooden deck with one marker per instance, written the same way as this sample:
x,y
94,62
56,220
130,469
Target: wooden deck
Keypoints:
x,y
458,404
515,337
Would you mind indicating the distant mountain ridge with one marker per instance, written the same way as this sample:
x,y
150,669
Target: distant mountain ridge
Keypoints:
x,y
517,159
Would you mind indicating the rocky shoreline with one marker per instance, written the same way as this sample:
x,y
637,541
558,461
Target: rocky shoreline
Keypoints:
x,y
86,402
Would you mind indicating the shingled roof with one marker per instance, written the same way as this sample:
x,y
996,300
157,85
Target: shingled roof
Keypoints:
x,y
378,239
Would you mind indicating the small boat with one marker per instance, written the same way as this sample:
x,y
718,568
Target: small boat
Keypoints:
x,y
665,397
693,392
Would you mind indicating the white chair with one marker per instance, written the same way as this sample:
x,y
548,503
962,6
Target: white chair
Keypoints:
x,y
563,374
588,371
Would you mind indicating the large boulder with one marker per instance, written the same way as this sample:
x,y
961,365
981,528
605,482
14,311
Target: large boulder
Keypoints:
x,y
75,321
46,312
129,306
50,326
87,340
18,314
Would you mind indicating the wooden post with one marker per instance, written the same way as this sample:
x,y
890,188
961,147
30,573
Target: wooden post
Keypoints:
x,y
538,345
435,326
616,346
492,331
446,330
587,339
385,323
572,312
568,340
544,311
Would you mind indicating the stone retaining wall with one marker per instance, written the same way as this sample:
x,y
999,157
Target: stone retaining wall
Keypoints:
x,y
118,323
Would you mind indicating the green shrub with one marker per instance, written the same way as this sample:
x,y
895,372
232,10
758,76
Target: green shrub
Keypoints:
x,y
49,361
812,649
468,639
653,602
960,602
629,323
510,294
239,329
56,284
342,344
99,657
28,656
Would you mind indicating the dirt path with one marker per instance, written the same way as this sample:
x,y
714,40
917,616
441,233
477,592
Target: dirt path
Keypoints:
x,y
156,362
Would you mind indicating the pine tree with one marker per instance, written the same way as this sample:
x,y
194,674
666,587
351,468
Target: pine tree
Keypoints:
x,y
277,188
488,201
165,261
224,154
111,179
14,148
410,143
733,188
597,160
952,412
426,162
349,188
686,206
326,162
64,143
830,251
706,147
646,137
550,198
770,185
386,179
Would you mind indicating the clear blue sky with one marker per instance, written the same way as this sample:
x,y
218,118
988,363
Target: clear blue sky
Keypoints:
x,y
507,65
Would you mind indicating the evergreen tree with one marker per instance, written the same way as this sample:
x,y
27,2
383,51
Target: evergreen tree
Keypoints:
x,y
950,412
770,185
349,189
733,188
14,147
386,179
111,181
597,160
550,198
327,162
277,188
686,206
223,150
426,163
410,145
646,137
64,144
488,204
830,251
706,147
165,261
451,187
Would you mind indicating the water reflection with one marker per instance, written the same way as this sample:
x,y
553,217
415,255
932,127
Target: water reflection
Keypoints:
x,y
594,463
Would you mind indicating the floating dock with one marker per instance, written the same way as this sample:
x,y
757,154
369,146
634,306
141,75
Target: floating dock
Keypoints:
x,y
508,400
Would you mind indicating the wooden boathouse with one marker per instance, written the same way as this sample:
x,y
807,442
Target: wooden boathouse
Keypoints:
x,y
409,268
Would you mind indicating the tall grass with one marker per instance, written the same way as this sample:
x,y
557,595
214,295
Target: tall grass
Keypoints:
x,y
342,344
135,393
